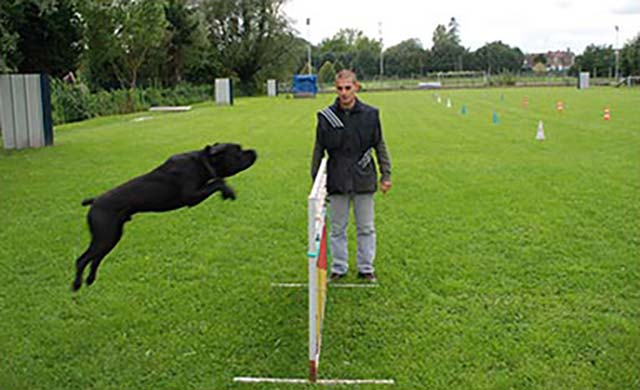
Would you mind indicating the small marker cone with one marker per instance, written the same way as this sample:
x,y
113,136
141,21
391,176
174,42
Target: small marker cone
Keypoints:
x,y
560,106
463,111
607,114
448,103
439,100
495,118
525,102
540,133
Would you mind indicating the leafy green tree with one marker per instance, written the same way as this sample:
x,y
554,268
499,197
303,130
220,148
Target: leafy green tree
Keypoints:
x,y
599,61
327,73
185,33
405,59
350,48
540,59
539,69
122,36
251,36
40,36
454,31
446,54
8,41
497,57
630,57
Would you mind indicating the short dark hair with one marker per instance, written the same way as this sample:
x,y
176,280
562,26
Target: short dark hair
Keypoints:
x,y
346,74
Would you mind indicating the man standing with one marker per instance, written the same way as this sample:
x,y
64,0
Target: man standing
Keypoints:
x,y
350,132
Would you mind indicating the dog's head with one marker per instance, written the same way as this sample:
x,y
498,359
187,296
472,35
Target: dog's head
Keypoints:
x,y
228,159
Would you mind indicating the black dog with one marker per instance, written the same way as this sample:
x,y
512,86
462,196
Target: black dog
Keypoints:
x,y
183,180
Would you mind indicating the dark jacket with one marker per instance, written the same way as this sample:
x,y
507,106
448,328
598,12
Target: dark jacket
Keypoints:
x,y
347,170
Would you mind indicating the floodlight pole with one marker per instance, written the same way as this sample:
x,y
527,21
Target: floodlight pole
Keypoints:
x,y
381,51
617,50
309,45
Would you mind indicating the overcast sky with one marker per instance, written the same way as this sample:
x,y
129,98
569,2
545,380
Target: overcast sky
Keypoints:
x,y
534,26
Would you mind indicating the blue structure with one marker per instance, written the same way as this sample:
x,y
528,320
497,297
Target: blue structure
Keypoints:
x,y
305,85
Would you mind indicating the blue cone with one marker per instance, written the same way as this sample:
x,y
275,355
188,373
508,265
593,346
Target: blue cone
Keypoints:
x,y
464,109
495,117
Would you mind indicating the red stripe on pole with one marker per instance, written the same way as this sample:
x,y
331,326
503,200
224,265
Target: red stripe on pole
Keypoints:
x,y
313,371
322,257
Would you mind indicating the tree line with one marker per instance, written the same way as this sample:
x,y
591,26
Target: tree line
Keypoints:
x,y
128,44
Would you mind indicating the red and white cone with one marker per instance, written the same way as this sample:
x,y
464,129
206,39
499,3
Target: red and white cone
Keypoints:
x,y
607,114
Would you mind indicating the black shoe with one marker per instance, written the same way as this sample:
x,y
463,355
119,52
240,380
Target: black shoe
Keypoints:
x,y
368,276
336,276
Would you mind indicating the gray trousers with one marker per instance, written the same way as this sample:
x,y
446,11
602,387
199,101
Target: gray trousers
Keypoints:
x,y
366,234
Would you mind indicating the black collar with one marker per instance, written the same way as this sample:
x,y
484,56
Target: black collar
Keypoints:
x,y
356,107
207,165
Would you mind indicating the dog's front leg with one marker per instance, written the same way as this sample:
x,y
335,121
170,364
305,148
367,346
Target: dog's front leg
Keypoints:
x,y
192,198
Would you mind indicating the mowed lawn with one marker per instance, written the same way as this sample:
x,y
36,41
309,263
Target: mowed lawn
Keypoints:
x,y
503,262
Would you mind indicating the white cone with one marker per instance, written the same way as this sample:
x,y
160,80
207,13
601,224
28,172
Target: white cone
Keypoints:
x,y
439,100
540,133
448,103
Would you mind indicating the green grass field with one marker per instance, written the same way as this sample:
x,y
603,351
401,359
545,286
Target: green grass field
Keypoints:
x,y
504,262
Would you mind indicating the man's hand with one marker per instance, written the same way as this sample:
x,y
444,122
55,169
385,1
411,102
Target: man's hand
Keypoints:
x,y
385,186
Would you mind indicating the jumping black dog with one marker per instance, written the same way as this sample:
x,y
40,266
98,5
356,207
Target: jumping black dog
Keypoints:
x,y
183,180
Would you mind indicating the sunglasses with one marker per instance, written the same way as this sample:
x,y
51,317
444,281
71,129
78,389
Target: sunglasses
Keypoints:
x,y
345,88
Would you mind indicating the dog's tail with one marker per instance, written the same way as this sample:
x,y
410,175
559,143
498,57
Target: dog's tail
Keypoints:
x,y
88,201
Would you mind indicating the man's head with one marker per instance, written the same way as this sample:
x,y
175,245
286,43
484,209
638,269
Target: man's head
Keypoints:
x,y
346,87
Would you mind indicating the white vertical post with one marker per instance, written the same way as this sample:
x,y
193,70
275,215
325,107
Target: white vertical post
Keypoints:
x,y
272,88
223,92
6,113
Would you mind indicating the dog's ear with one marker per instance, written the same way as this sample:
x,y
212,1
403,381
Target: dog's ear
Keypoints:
x,y
215,148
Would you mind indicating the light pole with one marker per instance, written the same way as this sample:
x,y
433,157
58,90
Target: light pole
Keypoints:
x,y
381,51
309,45
617,50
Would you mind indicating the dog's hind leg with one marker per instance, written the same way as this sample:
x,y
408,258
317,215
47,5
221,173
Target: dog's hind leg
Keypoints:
x,y
109,238
81,264
106,230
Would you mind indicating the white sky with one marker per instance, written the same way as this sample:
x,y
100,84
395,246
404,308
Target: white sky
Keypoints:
x,y
534,26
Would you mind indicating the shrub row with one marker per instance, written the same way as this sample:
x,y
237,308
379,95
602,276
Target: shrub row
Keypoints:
x,y
74,102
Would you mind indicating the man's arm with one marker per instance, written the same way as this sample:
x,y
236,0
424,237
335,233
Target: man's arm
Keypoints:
x,y
382,154
318,153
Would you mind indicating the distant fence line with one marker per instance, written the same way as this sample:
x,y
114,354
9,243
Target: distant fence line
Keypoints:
x,y
479,81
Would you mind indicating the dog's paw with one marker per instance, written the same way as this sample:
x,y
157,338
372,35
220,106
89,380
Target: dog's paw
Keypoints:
x,y
228,193
77,283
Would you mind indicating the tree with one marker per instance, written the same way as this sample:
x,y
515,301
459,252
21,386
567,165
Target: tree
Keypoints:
x,y
539,69
327,73
630,57
540,59
405,59
253,35
454,31
8,41
496,57
446,54
39,36
350,48
183,29
597,60
122,35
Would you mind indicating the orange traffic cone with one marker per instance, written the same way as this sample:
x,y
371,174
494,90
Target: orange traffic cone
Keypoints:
x,y
525,102
560,106
607,114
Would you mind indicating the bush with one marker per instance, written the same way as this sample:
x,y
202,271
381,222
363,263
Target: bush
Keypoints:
x,y
74,102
